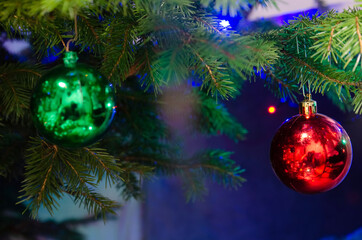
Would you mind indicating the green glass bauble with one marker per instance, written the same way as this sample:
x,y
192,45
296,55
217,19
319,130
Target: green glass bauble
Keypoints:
x,y
73,104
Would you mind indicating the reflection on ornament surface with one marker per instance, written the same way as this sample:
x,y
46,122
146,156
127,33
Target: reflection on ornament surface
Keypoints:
x,y
311,155
73,105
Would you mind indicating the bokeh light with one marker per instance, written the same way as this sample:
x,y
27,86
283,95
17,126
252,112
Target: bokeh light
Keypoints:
x,y
271,109
224,23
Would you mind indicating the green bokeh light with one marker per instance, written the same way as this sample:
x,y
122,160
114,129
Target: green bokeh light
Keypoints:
x,y
73,104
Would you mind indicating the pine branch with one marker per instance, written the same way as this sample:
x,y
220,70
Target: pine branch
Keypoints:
x,y
242,55
357,102
208,69
79,181
232,7
214,119
208,24
16,83
150,71
338,37
322,75
218,80
324,37
51,171
341,98
120,56
133,174
173,65
214,163
184,8
131,187
94,202
41,184
101,163
119,53
194,186
90,31
186,50
283,89
139,116
46,35
67,9
322,78
91,28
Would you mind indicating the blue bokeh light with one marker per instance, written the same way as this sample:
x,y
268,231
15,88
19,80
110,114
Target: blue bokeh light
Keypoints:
x,y
224,23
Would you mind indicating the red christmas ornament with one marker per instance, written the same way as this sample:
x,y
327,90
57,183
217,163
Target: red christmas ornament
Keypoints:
x,y
311,153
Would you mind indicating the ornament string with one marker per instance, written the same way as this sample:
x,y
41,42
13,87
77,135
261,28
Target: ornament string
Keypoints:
x,y
75,35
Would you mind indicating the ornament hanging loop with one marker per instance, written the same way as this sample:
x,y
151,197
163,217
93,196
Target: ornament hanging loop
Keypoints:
x,y
76,33
308,107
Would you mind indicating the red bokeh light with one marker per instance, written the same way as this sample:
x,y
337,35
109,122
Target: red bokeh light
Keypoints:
x,y
271,109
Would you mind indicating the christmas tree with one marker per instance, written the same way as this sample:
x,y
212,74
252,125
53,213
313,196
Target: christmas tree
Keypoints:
x,y
154,53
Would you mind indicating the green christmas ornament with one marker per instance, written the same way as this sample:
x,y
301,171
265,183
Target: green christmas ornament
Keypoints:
x,y
73,104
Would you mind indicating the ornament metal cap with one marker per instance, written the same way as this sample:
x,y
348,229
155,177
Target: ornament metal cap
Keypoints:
x,y
70,59
308,106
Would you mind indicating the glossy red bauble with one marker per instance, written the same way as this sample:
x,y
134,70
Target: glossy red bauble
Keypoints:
x,y
311,153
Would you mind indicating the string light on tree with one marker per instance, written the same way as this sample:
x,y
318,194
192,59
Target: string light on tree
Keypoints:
x,y
224,23
311,153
